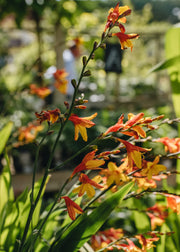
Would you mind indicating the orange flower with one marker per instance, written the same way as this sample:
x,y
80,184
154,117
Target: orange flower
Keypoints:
x,y
144,183
132,126
147,243
157,215
130,247
125,39
72,207
117,15
107,154
173,202
78,41
80,124
88,163
133,153
119,125
171,145
61,81
114,174
60,74
103,238
42,92
152,168
87,185
28,134
51,116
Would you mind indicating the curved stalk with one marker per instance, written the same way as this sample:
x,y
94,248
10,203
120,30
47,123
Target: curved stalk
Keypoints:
x,y
47,170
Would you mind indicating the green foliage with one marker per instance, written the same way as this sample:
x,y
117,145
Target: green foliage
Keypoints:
x,y
4,135
14,214
87,225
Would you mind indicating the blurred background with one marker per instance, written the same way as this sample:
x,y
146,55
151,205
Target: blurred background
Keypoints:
x,y
35,33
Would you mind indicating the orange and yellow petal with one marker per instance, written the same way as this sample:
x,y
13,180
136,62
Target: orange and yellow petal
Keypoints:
x,y
94,164
136,156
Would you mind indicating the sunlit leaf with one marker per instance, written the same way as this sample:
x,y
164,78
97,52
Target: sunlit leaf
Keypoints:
x,y
4,135
165,64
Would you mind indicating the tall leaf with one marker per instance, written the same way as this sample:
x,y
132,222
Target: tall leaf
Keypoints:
x,y
4,135
172,64
167,244
172,47
87,225
165,64
173,50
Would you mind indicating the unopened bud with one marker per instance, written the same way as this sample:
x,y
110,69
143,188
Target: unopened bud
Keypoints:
x,y
80,107
103,46
50,132
66,104
84,60
92,56
87,73
73,82
103,35
95,45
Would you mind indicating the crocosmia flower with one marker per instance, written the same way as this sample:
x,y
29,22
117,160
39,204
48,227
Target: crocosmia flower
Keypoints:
x,y
171,144
42,92
89,162
129,247
60,80
102,238
157,215
147,243
117,15
152,168
117,127
125,39
80,124
134,153
28,134
114,174
132,127
173,202
72,207
51,116
87,185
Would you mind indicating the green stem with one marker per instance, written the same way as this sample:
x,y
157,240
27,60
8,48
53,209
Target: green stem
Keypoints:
x,y
51,209
34,204
47,170
35,166
93,142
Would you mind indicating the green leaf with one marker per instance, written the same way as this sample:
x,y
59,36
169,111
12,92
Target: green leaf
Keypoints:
x,y
166,244
4,135
36,216
6,192
86,225
173,50
165,64
27,204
